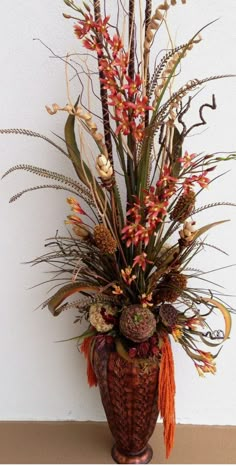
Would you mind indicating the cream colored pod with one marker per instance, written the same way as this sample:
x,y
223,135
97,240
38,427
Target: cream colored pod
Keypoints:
x,y
104,167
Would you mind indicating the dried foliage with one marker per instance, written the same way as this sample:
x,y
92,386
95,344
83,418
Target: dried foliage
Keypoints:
x,y
124,254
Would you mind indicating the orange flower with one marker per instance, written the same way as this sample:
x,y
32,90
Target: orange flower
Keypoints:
x,y
75,206
73,220
146,299
127,275
117,290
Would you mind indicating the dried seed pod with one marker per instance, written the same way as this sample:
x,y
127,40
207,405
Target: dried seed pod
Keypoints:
x,y
170,288
101,316
104,167
187,233
104,240
184,207
81,231
168,315
137,323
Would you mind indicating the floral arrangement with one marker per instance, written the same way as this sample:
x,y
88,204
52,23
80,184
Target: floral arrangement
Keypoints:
x,y
132,228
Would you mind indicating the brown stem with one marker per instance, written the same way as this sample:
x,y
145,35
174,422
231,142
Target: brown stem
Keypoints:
x,y
148,13
103,92
131,73
131,69
115,222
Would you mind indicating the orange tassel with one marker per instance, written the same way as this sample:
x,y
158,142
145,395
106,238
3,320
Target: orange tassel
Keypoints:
x,y
86,349
166,394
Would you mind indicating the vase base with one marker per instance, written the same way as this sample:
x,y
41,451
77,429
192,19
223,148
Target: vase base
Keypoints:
x,y
143,457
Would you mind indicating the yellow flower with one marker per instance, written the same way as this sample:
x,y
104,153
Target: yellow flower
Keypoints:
x,y
177,333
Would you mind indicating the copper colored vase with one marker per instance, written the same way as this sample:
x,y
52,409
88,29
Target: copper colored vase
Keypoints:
x,y
129,396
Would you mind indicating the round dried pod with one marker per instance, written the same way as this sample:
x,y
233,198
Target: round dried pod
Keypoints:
x,y
104,239
81,231
170,288
137,323
168,315
184,207
102,316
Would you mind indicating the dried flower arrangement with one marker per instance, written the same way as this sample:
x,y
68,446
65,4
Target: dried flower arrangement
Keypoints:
x,y
126,258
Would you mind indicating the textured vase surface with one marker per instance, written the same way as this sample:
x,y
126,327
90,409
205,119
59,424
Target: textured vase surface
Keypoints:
x,y
129,396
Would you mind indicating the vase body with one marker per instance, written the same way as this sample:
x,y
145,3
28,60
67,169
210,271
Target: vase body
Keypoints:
x,y
129,396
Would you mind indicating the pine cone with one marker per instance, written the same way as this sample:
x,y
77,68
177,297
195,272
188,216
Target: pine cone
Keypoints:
x,y
184,207
168,315
170,288
137,323
104,240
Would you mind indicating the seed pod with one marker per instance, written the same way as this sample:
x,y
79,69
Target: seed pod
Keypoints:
x,y
101,316
168,315
104,167
170,288
137,323
104,240
184,207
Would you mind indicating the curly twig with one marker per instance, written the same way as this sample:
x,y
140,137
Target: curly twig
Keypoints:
x,y
203,121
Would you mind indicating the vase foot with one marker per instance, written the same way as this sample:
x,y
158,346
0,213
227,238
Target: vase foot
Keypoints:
x,y
122,457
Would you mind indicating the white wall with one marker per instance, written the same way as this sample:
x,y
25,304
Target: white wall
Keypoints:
x,y
41,379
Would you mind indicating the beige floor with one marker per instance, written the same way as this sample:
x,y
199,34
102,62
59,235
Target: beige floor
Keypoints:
x,y
90,442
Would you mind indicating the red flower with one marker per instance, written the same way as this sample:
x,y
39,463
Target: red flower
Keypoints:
x,y
137,131
142,261
124,126
92,44
117,100
84,26
116,44
166,177
140,106
107,68
142,234
135,211
133,85
121,61
109,83
128,234
202,180
101,27
156,208
187,159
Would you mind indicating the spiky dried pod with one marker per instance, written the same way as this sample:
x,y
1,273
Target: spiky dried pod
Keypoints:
x,y
104,167
137,323
184,207
104,239
168,315
170,288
